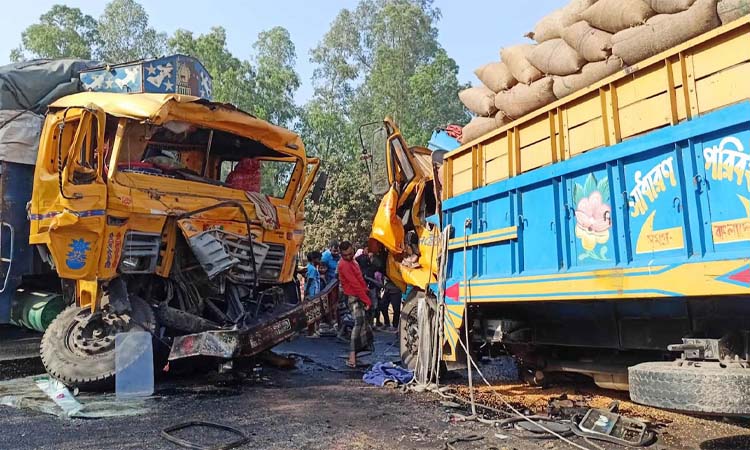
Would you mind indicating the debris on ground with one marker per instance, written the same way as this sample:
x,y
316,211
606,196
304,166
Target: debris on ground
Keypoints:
x,y
387,375
41,394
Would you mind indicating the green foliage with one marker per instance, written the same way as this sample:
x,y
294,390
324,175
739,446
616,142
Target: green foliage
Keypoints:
x,y
233,79
382,59
126,34
276,80
62,32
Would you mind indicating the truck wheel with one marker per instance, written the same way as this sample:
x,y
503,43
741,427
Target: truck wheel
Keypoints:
x,y
409,334
708,389
81,352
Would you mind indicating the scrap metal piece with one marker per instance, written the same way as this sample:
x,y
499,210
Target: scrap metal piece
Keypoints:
x,y
211,254
250,341
611,427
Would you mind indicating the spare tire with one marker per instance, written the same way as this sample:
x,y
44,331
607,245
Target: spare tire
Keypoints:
x,y
81,352
704,387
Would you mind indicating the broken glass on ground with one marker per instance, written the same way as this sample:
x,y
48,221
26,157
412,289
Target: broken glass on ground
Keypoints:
x,y
26,393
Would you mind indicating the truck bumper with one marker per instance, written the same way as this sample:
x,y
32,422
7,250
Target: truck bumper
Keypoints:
x,y
239,342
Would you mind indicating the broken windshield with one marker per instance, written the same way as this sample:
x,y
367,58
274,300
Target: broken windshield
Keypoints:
x,y
187,152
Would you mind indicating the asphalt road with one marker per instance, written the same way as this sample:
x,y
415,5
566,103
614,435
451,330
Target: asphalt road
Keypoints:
x,y
318,405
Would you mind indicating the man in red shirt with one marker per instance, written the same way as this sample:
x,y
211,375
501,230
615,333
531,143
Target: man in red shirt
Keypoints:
x,y
358,299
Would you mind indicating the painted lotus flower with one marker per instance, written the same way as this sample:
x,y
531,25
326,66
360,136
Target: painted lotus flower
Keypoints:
x,y
592,221
593,216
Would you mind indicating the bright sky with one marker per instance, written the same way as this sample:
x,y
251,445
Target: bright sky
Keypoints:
x,y
472,31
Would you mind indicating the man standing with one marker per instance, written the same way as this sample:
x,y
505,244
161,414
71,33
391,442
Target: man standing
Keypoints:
x,y
331,258
312,286
358,299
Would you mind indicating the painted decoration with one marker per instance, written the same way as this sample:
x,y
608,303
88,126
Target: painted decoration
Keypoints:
x,y
593,217
76,257
177,74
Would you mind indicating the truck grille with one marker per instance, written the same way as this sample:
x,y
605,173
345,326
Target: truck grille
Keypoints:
x,y
273,263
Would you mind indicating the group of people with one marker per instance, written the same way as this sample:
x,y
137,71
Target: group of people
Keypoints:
x,y
364,291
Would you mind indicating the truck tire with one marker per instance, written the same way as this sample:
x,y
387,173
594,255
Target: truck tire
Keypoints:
x,y
710,389
408,333
70,353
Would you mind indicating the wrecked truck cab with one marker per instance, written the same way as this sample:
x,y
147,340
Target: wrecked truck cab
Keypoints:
x,y
139,206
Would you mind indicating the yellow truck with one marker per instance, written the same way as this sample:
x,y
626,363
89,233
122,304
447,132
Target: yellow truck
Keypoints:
x,y
141,208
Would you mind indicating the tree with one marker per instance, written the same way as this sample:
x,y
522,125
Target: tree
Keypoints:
x,y
126,34
382,59
62,32
233,79
276,80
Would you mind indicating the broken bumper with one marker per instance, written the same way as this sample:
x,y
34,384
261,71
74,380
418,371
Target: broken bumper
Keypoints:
x,y
234,343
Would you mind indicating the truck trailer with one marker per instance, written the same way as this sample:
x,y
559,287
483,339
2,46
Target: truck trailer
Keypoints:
x,y
606,234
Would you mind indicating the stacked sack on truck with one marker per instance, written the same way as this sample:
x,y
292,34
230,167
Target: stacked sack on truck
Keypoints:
x,y
580,44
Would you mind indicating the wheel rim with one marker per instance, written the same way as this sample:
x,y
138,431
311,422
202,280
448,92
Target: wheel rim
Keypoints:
x,y
95,335
411,332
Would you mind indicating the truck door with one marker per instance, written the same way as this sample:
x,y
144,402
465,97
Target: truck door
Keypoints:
x,y
75,199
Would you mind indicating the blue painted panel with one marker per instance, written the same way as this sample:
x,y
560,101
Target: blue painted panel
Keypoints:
x,y
16,181
726,183
176,74
591,218
496,259
537,224
656,221
675,194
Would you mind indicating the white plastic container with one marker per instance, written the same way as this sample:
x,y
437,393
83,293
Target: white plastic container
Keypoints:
x,y
134,365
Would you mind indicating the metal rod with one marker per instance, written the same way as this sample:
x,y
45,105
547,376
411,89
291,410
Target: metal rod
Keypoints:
x,y
208,152
467,226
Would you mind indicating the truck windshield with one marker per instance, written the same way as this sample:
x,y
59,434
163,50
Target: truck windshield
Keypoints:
x,y
185,152
268,177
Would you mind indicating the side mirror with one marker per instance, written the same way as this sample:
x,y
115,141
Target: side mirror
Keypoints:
x,y
319,187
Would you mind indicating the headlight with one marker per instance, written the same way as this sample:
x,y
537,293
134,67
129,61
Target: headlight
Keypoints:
x,y
270,274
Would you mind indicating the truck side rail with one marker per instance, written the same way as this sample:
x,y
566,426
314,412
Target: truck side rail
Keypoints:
x,y
701,75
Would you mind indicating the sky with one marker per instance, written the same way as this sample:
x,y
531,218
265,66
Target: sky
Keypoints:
x,y
471,31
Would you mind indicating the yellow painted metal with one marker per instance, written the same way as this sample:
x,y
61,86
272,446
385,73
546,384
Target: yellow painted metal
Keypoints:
x,y
693,78
488,237
84,226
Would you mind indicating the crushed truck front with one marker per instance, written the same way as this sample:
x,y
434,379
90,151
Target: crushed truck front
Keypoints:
x,y
185,213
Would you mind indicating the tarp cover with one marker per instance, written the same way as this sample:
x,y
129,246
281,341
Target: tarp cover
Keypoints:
x,y
33,85
26,89
19,136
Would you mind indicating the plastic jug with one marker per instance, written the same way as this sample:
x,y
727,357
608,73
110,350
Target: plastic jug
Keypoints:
x,y
134,365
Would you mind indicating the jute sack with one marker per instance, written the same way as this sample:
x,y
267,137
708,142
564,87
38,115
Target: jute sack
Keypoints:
x,y
516,58
496,76
522,99
502,119
616,15
555,57
592,44
479,100
590,74
477,127
548,28
647,40
571,13
730,10
669,6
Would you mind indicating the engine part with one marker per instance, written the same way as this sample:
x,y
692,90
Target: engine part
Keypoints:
x,y
140,252
183,321
211,254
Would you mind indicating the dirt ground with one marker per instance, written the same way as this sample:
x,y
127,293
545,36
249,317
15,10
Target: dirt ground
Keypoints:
x,y
320,405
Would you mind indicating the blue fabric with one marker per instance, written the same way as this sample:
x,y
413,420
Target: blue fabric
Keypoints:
x,y
312,281
331,262
381,373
